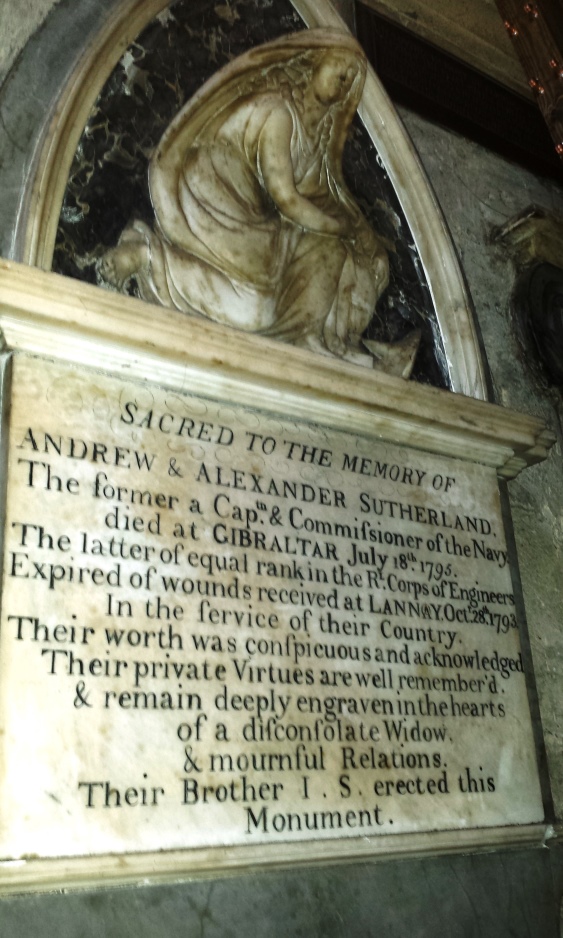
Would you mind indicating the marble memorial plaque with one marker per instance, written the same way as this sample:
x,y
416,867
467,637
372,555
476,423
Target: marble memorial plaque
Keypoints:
x,y
221,628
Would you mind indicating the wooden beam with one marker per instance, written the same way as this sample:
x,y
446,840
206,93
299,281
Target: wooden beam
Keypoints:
x,y
538,39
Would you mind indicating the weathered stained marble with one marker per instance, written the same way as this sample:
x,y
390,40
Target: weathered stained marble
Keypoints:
x,y
164,67
247,630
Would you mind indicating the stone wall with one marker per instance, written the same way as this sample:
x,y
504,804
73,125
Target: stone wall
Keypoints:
x,y
18,20
478,192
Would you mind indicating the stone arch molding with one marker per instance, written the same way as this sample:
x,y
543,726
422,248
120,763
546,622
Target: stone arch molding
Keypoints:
x,y
39,212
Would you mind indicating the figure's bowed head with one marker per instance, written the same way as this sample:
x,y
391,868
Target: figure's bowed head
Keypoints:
x,y
333,76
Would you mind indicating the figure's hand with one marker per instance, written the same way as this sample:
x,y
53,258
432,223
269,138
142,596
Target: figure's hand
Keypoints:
x,y
342,227
366,240
277,176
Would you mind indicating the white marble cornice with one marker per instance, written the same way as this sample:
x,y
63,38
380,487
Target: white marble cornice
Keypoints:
x,y
61,318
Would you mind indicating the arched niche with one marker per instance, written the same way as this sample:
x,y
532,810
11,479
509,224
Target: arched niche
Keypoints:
x,y
41,206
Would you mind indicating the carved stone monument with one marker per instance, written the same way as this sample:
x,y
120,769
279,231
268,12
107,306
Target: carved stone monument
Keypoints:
x,y
254,224
237,631
257,602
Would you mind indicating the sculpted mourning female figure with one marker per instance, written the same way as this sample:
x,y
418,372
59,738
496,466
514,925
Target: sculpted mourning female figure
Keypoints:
x,y
254,225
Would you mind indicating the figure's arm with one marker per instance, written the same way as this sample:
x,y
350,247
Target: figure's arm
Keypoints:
x,y
274,155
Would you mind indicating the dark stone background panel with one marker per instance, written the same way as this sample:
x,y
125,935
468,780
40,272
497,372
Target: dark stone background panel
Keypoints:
x,y
173,56
500,895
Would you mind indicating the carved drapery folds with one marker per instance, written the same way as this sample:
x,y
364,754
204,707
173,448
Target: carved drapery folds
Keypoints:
x,y
90,177
254,224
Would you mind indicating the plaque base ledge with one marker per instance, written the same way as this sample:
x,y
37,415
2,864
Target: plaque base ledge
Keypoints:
x,y
31,876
